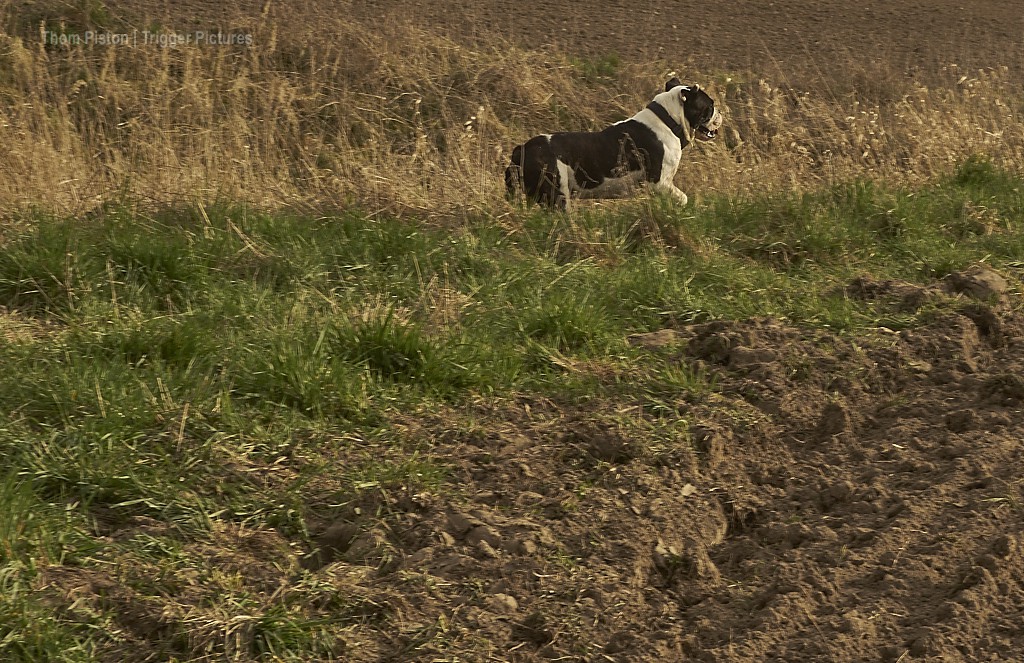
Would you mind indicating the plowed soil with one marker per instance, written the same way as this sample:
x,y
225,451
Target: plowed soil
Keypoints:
x,y
767,36
839,500
781,38
828,499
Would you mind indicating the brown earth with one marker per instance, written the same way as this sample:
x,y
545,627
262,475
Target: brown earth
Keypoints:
x,y
833,501
787,38
826,499
829,500
766,36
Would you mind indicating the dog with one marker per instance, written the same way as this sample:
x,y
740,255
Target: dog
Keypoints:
x,y
553,168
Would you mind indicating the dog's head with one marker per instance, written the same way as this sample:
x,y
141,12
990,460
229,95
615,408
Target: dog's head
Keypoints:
x,y
694,105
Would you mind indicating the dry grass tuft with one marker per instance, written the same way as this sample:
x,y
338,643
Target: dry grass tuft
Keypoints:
x,y
401,120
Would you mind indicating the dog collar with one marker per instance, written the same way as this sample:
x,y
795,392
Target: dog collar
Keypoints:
x,y
669,121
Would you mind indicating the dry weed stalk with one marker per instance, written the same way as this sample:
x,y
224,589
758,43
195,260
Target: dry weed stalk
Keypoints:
x,y
401,120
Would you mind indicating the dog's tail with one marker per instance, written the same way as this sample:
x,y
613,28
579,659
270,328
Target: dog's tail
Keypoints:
x,y
533,172
514,172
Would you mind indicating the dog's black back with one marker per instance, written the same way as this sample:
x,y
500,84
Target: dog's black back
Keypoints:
x,y
627,146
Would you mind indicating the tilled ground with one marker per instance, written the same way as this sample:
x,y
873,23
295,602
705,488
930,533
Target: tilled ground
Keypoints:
x,y
830,40
821,498
838,499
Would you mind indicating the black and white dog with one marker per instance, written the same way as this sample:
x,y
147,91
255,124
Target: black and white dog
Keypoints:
x,y
552,168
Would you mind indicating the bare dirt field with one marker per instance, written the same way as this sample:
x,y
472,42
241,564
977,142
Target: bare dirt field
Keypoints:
x,y
843,501
768,36
762,35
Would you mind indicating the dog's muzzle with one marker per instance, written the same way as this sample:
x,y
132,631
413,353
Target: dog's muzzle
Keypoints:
x,y
708,130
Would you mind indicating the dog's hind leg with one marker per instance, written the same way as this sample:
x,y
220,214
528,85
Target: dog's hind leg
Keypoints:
x,y
546,183
564,184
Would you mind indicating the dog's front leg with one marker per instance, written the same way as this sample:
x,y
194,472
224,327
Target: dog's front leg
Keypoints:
x,y
672,189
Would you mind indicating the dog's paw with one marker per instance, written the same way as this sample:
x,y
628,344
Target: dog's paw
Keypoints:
x,y
673,191
678,195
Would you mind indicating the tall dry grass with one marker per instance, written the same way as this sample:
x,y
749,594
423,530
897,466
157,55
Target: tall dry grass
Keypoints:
x,y
395,118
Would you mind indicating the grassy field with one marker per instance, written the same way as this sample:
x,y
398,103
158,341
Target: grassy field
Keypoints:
x,y
176,385
285,376
301,122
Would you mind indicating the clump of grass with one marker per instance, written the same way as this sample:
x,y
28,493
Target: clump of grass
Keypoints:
x,y
158,265
297,371
36,533
47,272
565,324
598,69
401,352
35,529
390,349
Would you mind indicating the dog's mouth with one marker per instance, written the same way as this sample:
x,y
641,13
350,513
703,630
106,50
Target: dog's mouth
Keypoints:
x,y
708,129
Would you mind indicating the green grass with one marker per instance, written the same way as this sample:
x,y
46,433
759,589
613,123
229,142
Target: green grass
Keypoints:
x,y
598,69
205,369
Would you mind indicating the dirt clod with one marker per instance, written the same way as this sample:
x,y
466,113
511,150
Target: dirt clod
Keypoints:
x,y
711,443
459,523
502,604
835,420
656,340
484,533
978,282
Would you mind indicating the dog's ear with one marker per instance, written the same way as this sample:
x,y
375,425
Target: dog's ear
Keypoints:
x,y
696,88
675,82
